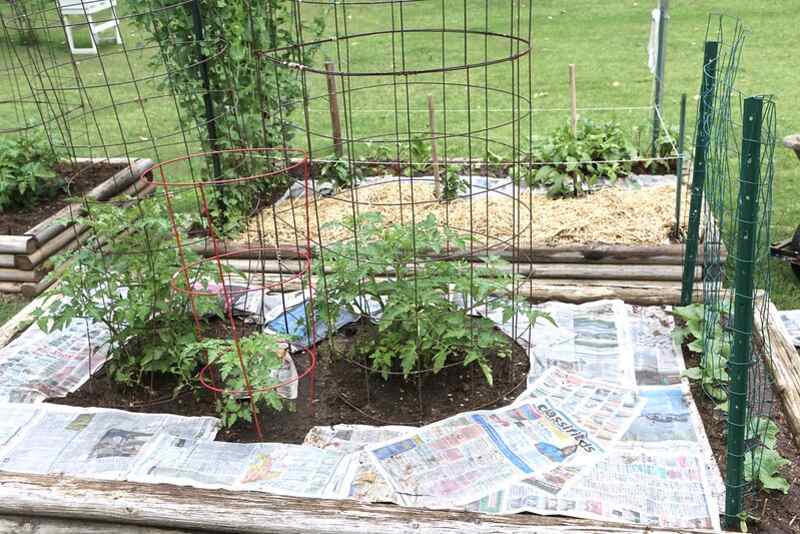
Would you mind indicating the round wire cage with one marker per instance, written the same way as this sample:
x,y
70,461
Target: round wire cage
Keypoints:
x,y
417,148
238,273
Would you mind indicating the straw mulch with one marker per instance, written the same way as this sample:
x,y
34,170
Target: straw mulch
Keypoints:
x,y
613,215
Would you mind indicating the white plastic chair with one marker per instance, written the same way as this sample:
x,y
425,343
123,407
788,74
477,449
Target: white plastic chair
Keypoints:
x,y
88,9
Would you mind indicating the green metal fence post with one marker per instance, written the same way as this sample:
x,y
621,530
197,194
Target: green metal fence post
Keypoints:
x,y
744,285
679,165
699,169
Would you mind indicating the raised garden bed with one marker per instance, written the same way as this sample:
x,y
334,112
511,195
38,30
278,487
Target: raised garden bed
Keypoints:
x,y
342,392
29,240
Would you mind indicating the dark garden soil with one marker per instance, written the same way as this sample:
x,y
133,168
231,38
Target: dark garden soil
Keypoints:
x,y
341,392
774,512
81,179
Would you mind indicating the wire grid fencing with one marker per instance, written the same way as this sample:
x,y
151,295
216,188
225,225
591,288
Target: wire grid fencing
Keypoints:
x,y
456,84
739,169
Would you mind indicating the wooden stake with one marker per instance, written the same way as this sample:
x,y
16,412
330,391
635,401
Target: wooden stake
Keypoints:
x,y
437,181
573,101
333,102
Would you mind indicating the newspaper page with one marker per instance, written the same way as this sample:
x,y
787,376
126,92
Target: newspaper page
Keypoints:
x,y
670,419
93,442
53,364
658,362
468,456
791,321
353,438
664,487
605,410
591,340
362,483
16,418
294,470
21,395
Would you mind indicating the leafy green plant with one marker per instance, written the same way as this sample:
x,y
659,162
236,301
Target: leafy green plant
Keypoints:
x,y
421,325
121,278
565,164
338,172
27,172
664,151
764,432
452,184
262,357
713,369
762,461
419,155
252,100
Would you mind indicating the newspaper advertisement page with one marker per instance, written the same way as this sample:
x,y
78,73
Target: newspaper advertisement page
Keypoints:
x,y
605,410
665,487
294,470
53,364
658,361
599,346
466,457
363,483
670,418
93,442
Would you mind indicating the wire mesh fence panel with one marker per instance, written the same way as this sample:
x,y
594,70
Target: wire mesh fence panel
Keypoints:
x,y
737,136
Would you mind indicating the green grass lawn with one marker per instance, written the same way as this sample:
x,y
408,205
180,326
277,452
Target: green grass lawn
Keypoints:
x,y
9,305
605,39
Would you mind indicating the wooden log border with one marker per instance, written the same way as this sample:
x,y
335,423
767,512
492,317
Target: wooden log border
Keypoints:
x,y
24,259
783,363
193,509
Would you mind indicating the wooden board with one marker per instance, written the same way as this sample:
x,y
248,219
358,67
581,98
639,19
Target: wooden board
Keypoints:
x,y
783,362
165,506
17,524
543,271
590,254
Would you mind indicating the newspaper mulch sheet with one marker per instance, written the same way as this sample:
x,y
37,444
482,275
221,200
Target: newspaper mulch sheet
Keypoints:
x,y
37,365
791,321
87,442
606,428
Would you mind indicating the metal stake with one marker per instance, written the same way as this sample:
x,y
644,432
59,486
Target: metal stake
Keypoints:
x,y
699,168
739,363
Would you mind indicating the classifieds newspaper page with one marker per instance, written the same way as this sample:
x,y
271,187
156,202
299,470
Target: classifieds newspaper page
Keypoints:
x,y
466,457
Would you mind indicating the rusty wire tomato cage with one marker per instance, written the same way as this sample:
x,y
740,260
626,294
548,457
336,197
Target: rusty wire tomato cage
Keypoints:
x,y
279,162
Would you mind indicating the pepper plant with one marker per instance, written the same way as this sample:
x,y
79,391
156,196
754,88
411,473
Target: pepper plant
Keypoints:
x,y
419,304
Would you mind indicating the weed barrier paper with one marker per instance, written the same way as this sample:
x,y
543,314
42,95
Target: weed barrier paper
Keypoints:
x,y
468,456
294,470
87,442
38,365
